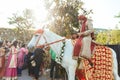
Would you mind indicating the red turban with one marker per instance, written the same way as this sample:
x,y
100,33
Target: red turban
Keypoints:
x,y
82,17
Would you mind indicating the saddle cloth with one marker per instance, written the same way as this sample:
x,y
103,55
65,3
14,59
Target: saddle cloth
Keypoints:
x,y
102,65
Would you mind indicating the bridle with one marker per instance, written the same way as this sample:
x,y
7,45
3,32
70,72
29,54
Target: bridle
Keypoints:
x,y
46,44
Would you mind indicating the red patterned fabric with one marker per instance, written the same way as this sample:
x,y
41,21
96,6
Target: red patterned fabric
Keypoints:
x,y
102,64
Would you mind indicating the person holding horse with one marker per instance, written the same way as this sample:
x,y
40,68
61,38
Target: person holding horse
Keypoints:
x,y
82,46
37,61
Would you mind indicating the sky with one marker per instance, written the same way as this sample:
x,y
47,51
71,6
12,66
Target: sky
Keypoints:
x,y
103,11
8,7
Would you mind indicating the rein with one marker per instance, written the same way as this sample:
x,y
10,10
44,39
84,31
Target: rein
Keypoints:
x,y
55,41
47,43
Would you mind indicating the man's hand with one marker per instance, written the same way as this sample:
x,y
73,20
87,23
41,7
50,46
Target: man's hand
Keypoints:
x,y
81,33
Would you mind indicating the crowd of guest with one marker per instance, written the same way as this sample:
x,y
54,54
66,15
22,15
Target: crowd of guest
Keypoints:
x,y
15,57
12,55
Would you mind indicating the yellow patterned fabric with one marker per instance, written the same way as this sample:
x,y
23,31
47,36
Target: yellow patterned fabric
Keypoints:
x,y
102,64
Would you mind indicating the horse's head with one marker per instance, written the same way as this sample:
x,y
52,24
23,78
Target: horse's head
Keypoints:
x,y
37,39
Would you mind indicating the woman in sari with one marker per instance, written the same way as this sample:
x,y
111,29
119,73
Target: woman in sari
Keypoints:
x,y
11,66
2,60
21,56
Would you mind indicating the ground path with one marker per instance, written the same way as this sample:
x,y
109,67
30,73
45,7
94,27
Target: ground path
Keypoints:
x,y
26,77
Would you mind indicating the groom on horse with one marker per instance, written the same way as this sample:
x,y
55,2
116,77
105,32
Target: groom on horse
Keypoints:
x,y
82,46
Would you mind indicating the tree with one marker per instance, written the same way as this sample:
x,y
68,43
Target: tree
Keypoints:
x,y
23,23
63,15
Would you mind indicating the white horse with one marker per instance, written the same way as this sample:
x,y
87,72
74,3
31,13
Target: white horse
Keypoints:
x,y
68,63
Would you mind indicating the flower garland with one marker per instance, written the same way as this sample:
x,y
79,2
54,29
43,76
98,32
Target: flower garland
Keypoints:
x,y
59,58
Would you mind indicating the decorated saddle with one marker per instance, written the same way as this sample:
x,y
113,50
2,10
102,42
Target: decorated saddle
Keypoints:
x,y
102,65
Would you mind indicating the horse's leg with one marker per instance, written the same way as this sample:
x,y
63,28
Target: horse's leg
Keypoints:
x,y
67,72
71,72
115,66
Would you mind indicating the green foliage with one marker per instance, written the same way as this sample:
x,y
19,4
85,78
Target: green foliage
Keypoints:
x,y
101,37
115,37
109,37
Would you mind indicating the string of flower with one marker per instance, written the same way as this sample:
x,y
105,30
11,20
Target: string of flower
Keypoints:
x,y
59,58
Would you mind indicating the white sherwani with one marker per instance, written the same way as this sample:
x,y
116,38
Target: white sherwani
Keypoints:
x,y
86,41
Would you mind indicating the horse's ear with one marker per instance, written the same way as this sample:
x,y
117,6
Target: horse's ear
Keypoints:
x,y
39,31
